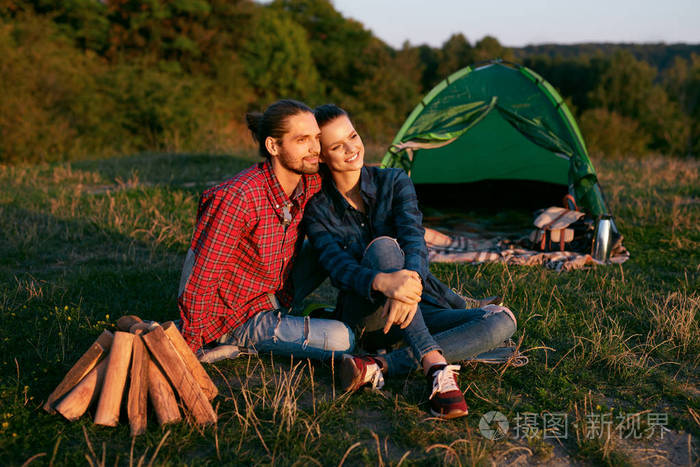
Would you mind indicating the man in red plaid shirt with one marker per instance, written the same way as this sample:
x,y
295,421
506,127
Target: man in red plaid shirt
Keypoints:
x,y
245,266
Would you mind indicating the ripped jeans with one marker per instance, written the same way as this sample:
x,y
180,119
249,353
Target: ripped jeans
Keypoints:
x,y
280,333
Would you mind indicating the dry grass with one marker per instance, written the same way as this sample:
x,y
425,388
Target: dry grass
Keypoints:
x,y
84,243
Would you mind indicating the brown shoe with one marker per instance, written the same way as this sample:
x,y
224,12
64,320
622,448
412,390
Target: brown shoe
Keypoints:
x,y
495,300
356,372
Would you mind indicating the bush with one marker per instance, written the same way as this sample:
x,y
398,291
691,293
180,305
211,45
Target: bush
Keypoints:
x,y
612,135
154,107
60,103
46,82
627,88
277,59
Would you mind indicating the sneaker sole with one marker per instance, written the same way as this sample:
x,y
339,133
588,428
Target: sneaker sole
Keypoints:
x,y
349,374
451,415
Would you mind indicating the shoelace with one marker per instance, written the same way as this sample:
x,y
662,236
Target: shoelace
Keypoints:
x,y
444,380
516,361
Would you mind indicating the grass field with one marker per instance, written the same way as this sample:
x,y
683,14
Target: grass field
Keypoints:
x,y
84,243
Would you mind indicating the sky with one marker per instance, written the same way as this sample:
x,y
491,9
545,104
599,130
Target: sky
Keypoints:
x,y
517,23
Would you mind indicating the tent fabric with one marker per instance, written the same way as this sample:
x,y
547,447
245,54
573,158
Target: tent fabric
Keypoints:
x,y
507,123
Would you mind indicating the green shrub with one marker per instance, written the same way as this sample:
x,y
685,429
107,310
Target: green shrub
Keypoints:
x,y
627,87
59,102
46,82
154,107
612,135
277,59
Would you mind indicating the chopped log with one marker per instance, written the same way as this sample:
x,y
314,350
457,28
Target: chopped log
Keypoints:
x,y
81,368
105,340
144,326
185,384
138,387
82,396
191,361
162,395
125,322
115,380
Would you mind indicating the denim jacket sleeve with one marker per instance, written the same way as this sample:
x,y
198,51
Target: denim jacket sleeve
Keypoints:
x,y
409,225
345,271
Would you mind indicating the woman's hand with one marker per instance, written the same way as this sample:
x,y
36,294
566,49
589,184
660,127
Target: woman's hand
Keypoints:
x,y
404,285
398,312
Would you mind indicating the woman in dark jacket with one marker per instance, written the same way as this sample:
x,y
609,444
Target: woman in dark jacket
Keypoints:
x,y
367,228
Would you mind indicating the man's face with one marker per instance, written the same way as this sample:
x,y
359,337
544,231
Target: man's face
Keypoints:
x,y
298,149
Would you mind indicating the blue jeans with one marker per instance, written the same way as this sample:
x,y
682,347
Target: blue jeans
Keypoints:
x,y
458,333
280,333
367,317
462,334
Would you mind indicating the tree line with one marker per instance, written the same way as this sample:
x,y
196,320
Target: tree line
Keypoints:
x,y
81,78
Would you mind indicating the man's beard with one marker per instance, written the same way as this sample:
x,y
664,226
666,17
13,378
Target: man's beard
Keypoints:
x,y
298,167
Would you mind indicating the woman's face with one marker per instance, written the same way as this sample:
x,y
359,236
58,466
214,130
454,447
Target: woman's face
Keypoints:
x,y
341,147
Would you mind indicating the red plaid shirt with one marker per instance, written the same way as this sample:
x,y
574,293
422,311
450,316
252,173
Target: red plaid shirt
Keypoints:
x,y
243,251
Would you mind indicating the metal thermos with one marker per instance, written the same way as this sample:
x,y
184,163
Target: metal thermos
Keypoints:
x,y
602,242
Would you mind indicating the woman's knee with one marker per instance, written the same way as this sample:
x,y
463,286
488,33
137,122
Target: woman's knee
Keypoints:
x,y
384,253
492,310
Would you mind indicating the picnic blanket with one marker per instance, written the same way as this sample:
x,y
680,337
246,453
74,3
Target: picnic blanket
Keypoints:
x,y
476,248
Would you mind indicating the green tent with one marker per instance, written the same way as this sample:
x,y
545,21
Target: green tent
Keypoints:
x,y
496,121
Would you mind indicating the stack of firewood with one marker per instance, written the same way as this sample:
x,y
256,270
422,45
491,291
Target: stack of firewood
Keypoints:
x,y
157,363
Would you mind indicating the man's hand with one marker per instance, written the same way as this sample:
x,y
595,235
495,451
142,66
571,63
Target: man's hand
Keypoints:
x,y
398,312
403,285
